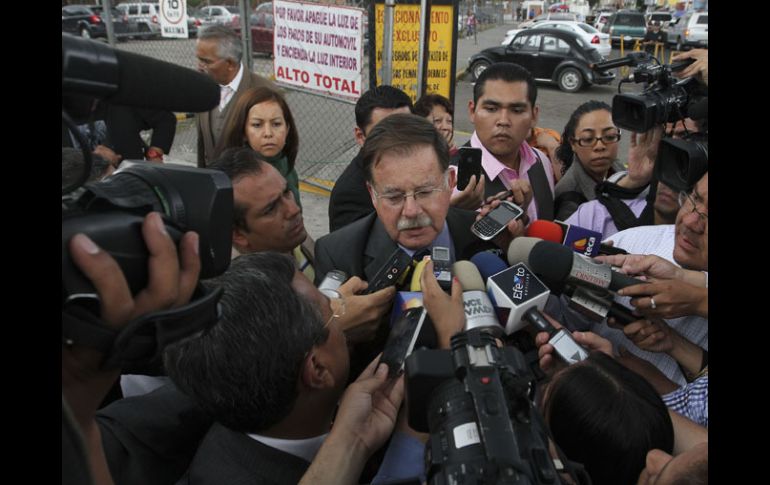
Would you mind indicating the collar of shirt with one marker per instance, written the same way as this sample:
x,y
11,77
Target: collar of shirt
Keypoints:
x,y
444,239
235,82
305,449
493,167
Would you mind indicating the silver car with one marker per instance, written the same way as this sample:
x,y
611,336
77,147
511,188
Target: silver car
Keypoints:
x,y
692,29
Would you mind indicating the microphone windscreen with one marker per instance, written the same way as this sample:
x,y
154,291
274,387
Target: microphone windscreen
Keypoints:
x,y
415,284
518,251
545,230
488,264
551,261
469,276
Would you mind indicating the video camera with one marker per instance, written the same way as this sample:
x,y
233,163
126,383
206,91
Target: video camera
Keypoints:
x,y
111,211
680,163
474,402
666,98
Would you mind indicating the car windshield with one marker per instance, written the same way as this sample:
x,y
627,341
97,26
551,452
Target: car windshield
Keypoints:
x,y
703,20
633,20
233,10
587,28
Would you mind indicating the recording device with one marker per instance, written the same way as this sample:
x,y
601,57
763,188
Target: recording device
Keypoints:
x,y
401,339
442,267
473,400
666,99
468,165
680,163
563,343
479,311
394,271
332,281
493,223
111,212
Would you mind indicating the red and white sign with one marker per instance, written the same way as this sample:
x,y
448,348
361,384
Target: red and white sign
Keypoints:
x,y
319,47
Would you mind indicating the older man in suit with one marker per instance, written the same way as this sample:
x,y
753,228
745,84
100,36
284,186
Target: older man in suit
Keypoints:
x,y
218,50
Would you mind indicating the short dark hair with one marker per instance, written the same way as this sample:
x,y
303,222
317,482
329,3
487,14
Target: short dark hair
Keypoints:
x,y
607,417
401,133
564,150
234,130
244,370
425,104
73,164
239,162
508,72
384,96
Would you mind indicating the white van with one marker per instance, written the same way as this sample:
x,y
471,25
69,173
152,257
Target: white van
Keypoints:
x,y
692,29
146,15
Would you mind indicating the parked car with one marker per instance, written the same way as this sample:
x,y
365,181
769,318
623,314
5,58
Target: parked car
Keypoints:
x,y
692,29
548,16
627,23
86,21
220,14
262,31
551,55
601,19
146,16
663,18
598,40
266,7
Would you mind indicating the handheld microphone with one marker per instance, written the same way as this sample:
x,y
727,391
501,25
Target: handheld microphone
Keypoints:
x,y
479,311
124,78
546,230
579,239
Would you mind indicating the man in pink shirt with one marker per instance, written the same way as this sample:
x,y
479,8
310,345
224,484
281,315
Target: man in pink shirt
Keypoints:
x,y
503,112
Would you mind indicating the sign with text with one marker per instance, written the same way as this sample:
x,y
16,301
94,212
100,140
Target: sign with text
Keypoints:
x,y
318,47
173,18
440,75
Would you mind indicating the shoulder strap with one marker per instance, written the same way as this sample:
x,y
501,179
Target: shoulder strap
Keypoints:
x,y
610,196
541,190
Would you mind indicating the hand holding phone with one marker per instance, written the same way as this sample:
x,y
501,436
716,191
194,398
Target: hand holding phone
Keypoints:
x,y
468,165
332,282
498,218
402,338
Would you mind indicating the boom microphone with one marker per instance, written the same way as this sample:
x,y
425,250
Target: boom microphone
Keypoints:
x,y
124,78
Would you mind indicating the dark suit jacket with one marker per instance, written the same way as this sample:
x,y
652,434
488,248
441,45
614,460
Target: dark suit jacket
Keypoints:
x,y
152,438
229,457
206,141
360,248
350,200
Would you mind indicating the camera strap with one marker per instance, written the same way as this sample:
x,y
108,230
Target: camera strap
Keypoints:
x,y
611,196
144,338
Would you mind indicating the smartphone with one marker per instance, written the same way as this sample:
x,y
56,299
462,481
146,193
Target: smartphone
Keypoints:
x,y
468,165
403,334
493,223
332,281
393,272
442,267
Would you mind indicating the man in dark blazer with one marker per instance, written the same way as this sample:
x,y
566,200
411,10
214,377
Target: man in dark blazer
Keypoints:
x,y
270,372
219,52
406,164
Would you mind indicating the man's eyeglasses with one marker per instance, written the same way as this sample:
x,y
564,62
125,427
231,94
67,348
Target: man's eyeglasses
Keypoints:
x,y
397,200
607,139
685,198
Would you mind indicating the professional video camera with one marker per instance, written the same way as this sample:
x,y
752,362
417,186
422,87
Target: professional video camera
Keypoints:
x,y
680,163
111,211
666,98
474,402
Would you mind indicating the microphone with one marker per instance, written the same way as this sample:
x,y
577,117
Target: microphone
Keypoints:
x,y
555,262
546,230
125,78
479,312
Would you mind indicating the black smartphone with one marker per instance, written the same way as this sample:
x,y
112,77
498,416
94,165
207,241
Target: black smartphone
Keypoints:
x,y
403,334
468,165
393,272
493,223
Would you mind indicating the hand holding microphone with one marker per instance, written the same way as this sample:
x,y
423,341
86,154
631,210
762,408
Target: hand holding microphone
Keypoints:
x,y
445,311
668,299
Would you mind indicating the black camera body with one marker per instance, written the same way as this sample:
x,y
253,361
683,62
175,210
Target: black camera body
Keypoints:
x,y
474,402
680,163
666,98
111,212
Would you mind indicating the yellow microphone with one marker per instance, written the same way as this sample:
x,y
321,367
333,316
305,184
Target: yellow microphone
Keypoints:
x,y
417,274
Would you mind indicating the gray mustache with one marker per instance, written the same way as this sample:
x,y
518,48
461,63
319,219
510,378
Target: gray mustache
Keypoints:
x,y
422,220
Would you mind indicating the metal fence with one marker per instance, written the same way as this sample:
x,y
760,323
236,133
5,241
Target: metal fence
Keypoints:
x,y
324,123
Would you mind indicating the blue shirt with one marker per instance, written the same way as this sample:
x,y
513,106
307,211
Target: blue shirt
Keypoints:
x,y
403,459
444,239
691,401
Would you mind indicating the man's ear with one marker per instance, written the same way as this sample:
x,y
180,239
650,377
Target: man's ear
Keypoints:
x,y
315,373
452,179
471,110
360,136
535,115
371,194
240,241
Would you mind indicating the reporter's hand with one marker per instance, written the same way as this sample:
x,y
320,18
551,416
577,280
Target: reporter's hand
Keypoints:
x,y
472,196
653,335
673,298
363,313
446,312
643,265
589,340
513,229
642,152
699,68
